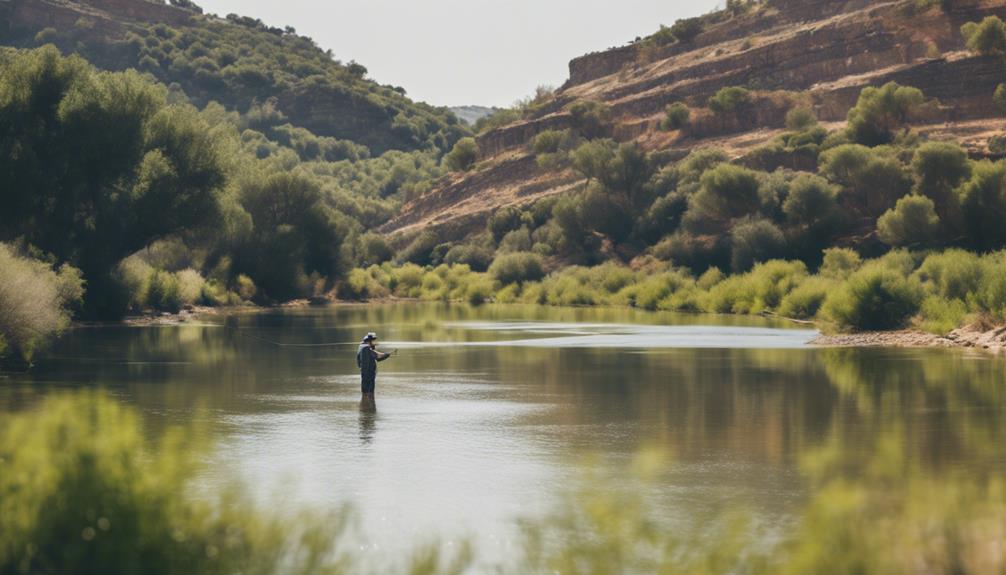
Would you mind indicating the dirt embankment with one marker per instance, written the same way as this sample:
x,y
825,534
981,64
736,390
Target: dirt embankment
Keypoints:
x,y
972,336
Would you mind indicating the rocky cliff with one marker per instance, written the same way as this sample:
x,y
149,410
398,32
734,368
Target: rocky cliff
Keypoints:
x,y
818,53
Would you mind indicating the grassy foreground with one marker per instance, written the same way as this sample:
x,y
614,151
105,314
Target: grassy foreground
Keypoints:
x,y
935,291
86,490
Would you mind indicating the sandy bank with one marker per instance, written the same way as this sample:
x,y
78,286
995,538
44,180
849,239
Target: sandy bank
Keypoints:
x,y
972,336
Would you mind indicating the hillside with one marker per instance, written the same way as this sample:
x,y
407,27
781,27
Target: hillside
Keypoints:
x,y
787,53
236,61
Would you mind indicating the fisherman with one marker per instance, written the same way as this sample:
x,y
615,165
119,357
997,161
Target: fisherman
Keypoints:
x,y
367,357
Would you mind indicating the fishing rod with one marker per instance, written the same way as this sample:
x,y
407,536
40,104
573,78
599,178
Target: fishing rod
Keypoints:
x,y
239,331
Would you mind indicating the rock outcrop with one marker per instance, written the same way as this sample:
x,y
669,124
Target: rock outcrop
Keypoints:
x,y
822,52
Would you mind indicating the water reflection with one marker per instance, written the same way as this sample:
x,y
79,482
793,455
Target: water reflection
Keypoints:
x,y
368,418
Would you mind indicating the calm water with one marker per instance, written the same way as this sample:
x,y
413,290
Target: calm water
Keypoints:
x,y
486,414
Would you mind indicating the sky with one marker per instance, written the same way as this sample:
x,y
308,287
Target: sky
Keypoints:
x,y
466,52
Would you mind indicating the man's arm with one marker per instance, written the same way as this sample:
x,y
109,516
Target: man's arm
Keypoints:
x,y
381,356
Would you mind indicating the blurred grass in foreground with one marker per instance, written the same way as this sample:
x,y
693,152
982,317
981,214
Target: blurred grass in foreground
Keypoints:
x,y
84,490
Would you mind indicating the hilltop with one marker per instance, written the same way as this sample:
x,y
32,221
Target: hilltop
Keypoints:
x,y
786,54
237,61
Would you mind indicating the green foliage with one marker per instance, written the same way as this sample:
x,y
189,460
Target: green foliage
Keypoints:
x,y
727,192
941,316
552,147
462,157
687,29
940,168
872,180
35,302
755,240
593,158
296,240
874,298
361,285
880,112
806,299
811,203
503,221
93,493
730,100
801,119
590,119
676,117
987,38
983,199
761,289
839,263
911,223
999,97
517,268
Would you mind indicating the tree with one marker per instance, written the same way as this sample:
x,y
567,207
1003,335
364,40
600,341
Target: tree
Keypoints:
x,y
874,181
727,192
755,240
687,29
879,112
295,235
97,166
987,38
591,119
503,221
999,97
940,168
811,203
730,100
983,199
801,119
462,157
676,117
594,158
911,223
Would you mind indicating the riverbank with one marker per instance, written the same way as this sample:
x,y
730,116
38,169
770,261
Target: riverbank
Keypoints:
x,y
974,336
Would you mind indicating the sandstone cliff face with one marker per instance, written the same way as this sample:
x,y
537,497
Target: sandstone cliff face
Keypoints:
x,y
822,51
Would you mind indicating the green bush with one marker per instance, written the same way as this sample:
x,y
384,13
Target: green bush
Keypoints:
x,y
992,293
880,112
911,223
88,491
753,241
36,302
987,38
476,257
761,289
983,199
801,119
806,299
730,100
687,29
462,156
999,97
676,116
874,298
517,268
811,202
360,285
591,119
952,274
839,263
164,292
727,192
941,316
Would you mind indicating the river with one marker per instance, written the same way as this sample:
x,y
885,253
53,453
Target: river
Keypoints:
x,y
486,415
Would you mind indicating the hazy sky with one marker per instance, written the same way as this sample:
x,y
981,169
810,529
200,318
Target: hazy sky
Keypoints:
x,y
456,52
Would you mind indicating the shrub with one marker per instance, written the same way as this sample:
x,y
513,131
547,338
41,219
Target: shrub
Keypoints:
x,y
755,240
676,117
730,100
476,257
594,158
874,298
36,302
839,263
92,492
374,249
727,192
811,202
407,280
190,286
591,119
164,293
420,250
710,278
462,156
941,316
360,285
517,268
983,199
875,181
801,119
687,29
987,38
879,112
912,222
761,289
245,287
940,168
953,274
806,299
999,97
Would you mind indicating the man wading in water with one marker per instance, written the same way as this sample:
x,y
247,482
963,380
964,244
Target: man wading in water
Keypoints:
x,y
367,357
